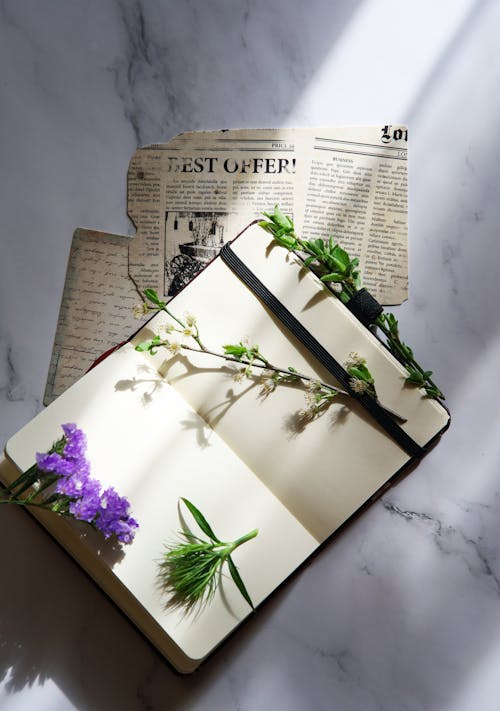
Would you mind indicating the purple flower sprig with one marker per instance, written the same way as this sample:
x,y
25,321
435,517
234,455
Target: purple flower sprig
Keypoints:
x,y
60,481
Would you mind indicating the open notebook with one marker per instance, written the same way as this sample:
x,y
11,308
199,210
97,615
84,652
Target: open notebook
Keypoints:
x,y
160,428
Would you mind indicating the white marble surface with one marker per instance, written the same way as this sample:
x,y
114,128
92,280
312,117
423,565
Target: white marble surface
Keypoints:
x,y
402,611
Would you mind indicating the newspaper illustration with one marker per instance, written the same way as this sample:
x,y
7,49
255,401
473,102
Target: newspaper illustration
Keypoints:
x,y
190,195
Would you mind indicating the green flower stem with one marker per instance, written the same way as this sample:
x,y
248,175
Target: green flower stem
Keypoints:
x,y
251,357
39,505
265,365
343,271
399,352
224,549
26,486
293,375
45,506
154,303
235,544
35,475
174,317
348,285
26,479
23,502
44,485
196,335
297,376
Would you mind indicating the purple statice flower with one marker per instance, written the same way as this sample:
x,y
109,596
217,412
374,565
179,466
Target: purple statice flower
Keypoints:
x,y
72,460
113,517
70,428
125,530
73,485
87,505
54,463
76,442
107,511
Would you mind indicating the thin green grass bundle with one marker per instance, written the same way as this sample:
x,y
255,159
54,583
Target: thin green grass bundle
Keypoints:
x,y
191,568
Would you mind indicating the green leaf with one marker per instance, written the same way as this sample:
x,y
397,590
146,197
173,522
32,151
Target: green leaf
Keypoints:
x,y
267,226
356,372
335,263
237,351
392,323
333,277
144,346
415,377
284,240
152,296
281,220
201,520
341,256
433,391
407,351
310,248
239,582
361,371
309,260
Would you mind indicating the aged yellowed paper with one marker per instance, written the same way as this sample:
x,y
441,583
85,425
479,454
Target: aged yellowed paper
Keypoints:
x,y
190,195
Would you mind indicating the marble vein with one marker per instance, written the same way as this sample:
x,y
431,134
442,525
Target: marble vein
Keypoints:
x,y
453,540
400,612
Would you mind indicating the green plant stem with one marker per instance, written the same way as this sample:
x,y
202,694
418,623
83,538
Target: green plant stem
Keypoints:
x,y
196,335
44,485
40,505
348,285
257,360
349,289
224,549
234,545
23,479
265,365
401,355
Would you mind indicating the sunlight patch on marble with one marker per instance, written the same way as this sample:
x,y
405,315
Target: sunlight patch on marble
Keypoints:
x,y
371,33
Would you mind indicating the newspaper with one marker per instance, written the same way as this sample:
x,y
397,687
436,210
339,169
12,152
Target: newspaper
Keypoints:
x,y
357,191
190,195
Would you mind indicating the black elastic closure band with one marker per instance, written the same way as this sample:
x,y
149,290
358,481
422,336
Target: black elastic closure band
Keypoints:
x,y
365,307
318,351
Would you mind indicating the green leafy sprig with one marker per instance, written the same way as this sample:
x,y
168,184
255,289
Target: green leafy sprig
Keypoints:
x,y
333,265
249,357
362,380
153,303
39,482
319,395
191,568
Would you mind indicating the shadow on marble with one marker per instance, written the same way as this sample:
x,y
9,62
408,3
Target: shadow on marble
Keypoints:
x,y
271,52
56,624
346,626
